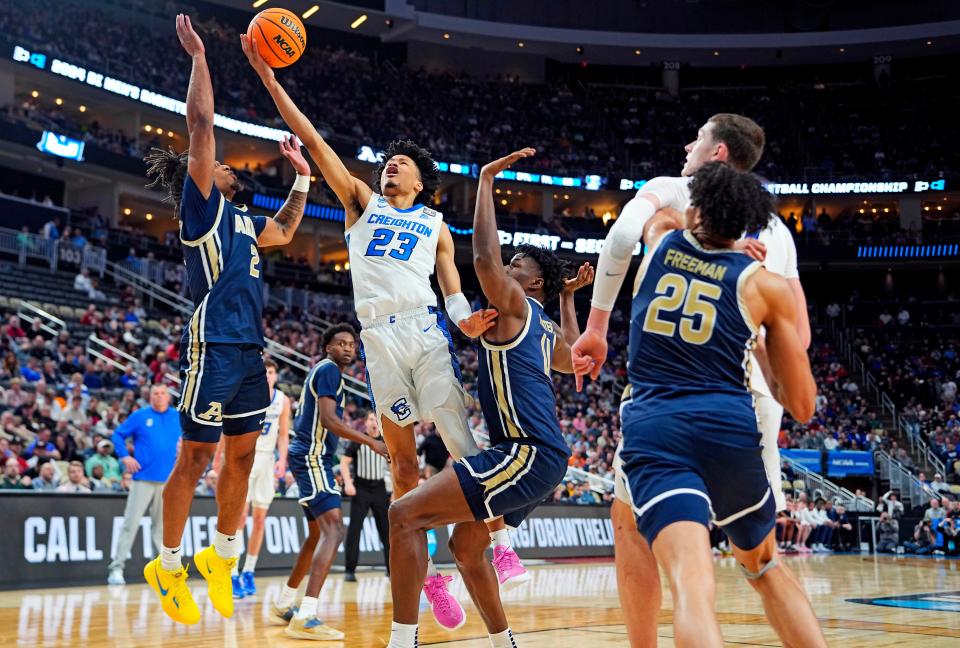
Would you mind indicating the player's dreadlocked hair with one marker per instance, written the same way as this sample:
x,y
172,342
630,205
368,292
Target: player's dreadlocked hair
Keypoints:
x,y
730,202
329,334
429,173
168,170
553,269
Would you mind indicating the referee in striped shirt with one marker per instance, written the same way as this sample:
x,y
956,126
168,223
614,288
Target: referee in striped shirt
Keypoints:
x,y
369,492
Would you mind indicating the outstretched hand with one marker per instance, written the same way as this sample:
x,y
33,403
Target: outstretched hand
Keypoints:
x,y
256,61
290,149
584,278
491,169
587,355
478,323
189,39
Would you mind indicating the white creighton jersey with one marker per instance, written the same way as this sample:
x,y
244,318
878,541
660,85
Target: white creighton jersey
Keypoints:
x,y
393,252
267,441
782,260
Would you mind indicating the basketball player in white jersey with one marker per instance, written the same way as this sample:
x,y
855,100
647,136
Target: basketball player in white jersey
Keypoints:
x,y
270,463
395,243
738,141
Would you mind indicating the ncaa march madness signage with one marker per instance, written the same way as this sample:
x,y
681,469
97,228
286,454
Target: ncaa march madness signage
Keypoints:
x,y
57,539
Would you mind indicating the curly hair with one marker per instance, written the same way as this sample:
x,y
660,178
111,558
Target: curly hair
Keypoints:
x,y
168,170
553,269
429,173
730,202
329,334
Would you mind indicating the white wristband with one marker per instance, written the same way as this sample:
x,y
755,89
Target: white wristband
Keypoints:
x,y
458,308
302,183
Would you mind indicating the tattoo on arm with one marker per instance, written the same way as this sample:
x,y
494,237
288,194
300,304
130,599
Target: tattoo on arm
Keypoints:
x,y
291,213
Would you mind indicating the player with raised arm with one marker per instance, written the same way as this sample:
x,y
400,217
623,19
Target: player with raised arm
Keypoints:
x,y
527,457
691,445
319,426
395,242
738,141
224,386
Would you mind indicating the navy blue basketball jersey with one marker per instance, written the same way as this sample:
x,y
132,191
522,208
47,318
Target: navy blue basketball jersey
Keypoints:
x,y
311,438
223,268
690,333
515,387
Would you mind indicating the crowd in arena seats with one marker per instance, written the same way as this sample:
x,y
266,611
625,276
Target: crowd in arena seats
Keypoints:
x,y
920,373
844,418
578,125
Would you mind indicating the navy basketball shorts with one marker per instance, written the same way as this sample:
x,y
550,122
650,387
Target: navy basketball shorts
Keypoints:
x,y
698,467
510,480
318,488
223,390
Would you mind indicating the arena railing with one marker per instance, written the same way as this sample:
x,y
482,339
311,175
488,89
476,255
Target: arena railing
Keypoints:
x,y
152,291
917,444
49,323
25,245
814,482
901,479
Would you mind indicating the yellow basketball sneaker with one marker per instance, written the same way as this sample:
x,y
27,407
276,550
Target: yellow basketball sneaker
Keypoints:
x,y
312,628
216,571
171,586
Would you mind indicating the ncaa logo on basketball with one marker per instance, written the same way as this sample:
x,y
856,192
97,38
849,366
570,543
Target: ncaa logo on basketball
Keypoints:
x,y
400,409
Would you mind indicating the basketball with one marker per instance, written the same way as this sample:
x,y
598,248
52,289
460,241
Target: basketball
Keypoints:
x,y
281,36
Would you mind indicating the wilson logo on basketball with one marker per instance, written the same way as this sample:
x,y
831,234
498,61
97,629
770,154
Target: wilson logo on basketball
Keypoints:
x,y
282,44
294,27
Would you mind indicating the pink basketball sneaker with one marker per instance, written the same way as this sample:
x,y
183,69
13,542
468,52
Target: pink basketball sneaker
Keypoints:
x,y
446,609
510,571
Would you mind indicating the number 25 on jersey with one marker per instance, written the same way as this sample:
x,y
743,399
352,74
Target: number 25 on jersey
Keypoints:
x,y
382,239
697,298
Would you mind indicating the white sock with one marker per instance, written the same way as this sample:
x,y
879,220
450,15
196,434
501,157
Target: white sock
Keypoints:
x,y
503,639
227,546
234,571
250,564
308,607
170,558
288,595
500,538
431,568
403,635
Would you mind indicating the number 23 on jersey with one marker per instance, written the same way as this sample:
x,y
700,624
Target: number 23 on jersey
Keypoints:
x,y
383,238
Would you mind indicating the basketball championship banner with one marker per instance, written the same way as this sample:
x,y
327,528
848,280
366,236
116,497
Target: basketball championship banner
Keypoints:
x,y
57,539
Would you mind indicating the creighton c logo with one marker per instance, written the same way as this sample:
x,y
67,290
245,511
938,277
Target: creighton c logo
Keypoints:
x,y
400,409
214,412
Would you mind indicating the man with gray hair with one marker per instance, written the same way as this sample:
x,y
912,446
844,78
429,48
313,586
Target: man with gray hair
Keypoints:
x,y
155,432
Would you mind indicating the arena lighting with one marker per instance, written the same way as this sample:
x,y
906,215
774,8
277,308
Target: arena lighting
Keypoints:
x,y
906,251
446,37
149,216
259,3
313,210
637,52
34,94
127,211
58,101
309,12
159,131
359,21
520,44
136,93
148,128
579,50
83,108
169,133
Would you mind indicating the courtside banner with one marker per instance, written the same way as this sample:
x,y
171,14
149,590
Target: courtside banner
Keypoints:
x,y
54,539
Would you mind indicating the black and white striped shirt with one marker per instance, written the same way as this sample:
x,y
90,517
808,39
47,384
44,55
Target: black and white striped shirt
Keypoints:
x,y
367,464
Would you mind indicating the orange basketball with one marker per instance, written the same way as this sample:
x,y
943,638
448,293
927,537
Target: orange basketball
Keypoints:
x,y
281,36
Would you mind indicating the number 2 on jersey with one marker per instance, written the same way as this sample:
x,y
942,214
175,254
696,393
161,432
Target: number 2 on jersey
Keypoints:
x,y
254,261
383,237
674,290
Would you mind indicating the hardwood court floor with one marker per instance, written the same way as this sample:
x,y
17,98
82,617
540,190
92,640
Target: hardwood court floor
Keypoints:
x,y
570,605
